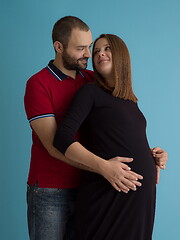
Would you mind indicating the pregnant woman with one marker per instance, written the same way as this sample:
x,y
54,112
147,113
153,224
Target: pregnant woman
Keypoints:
x,y
111,124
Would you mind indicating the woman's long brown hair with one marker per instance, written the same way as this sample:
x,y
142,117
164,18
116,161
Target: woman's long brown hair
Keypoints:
x,y
121,72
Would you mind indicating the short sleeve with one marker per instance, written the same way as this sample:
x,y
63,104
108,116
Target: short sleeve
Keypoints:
x,y
37,99
80,108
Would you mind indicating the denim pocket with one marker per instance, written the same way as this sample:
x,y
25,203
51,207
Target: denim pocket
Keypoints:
x,y
48,191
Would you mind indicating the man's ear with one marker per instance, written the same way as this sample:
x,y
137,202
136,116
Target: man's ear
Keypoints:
x,y
58,47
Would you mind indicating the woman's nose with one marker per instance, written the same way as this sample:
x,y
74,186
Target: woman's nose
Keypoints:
x,y
101,53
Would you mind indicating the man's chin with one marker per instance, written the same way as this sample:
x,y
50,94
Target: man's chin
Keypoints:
x,y
82,66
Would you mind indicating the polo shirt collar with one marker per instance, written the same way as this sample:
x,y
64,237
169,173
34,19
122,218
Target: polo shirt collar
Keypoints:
x,y
57,73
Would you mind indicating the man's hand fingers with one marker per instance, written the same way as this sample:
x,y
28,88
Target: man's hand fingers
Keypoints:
x,y
139,184
132,182
157,174
115,186
120,187
129,184
136,175
160,157
125,185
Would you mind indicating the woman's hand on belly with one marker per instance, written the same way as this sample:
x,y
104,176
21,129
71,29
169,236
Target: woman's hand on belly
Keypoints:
x,y
120,175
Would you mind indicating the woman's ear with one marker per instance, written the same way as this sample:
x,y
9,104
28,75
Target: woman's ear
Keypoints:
x,y
58,47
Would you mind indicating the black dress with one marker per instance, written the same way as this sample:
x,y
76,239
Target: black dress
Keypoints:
x,y
111,127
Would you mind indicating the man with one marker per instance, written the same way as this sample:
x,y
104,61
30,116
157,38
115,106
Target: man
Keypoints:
x,y
52,182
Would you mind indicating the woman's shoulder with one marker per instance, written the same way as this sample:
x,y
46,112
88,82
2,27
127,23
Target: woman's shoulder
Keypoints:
x,y
90,87
88,91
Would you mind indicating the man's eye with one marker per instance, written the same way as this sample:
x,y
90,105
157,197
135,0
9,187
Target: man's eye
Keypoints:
x,y
80,49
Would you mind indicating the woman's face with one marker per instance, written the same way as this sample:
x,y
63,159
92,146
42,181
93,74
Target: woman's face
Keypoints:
x,y
103,57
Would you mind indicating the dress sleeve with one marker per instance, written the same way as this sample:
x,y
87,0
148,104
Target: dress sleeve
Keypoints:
x,y
79,110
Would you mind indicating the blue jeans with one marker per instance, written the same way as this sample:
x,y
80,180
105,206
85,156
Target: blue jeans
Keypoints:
x,y
51,213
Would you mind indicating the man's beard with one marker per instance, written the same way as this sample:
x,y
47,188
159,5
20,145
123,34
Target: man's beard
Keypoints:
x,y
71,63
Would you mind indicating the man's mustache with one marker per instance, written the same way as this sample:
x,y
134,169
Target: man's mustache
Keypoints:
x,y
82,59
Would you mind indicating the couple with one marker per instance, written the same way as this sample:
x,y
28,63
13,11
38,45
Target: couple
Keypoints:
x,y
109,205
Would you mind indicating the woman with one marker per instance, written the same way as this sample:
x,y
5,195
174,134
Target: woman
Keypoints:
x,y
112,125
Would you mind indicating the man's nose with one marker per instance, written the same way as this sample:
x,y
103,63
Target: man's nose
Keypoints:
x,y
87,53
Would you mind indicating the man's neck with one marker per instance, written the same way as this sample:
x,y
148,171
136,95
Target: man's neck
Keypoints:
x,y
71,73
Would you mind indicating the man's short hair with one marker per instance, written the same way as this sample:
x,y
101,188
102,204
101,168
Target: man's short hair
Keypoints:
x,y
63,28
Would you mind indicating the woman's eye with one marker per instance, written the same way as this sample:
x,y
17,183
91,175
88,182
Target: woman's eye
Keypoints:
x,y
107,48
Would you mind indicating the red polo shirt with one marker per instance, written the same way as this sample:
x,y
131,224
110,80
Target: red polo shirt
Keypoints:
x,y
49,93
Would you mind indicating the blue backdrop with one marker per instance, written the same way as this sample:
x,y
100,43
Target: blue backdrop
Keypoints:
x,y
151,30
